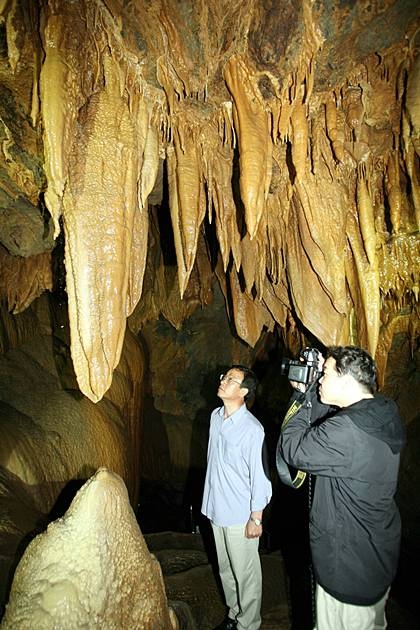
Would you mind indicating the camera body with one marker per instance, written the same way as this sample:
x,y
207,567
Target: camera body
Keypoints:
x,y
303,370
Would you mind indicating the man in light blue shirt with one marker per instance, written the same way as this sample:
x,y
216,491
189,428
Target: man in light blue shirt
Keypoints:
x,y
236,491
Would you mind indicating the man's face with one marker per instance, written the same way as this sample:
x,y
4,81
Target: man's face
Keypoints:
x,y
230,386
332,384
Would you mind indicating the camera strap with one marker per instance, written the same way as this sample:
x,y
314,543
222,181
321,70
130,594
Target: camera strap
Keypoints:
x,y
283,468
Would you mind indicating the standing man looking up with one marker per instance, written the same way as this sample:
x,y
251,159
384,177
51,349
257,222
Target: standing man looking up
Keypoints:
x,y
236,491
355,524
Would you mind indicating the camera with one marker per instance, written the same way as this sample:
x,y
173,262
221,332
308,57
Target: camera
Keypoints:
x,y
303,370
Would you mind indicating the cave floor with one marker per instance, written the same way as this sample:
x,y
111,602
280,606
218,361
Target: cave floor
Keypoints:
x,y
193,590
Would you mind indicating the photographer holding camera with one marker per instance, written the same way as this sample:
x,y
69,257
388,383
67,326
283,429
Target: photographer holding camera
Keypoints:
x,y
303,374
355,525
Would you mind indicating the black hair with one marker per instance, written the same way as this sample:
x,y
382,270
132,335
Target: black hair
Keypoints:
x,y
249,380
356,362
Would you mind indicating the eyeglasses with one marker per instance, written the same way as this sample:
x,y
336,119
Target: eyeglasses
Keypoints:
x,y
228,379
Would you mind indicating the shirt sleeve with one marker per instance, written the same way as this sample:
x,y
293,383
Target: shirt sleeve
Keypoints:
x,y
260,483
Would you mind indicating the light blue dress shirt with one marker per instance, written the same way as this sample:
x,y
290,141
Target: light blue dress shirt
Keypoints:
x,y
236,483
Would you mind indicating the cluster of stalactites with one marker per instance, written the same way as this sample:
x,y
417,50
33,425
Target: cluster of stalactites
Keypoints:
x,y
312,227
314,230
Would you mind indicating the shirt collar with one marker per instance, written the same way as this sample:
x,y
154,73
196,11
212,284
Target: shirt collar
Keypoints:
x,y
236,415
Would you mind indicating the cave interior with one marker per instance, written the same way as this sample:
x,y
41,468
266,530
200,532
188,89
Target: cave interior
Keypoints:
x,y
185,185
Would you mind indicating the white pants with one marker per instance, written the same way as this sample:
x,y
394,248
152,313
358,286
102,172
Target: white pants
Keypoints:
x,y
332,614
240,572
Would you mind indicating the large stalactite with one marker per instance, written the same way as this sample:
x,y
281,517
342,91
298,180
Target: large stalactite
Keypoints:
x,y
293,128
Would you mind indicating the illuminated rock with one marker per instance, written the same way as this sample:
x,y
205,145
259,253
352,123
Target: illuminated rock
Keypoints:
x,y
91,569
295,137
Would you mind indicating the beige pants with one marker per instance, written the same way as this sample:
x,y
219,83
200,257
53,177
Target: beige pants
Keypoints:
x,y
240,572
332,614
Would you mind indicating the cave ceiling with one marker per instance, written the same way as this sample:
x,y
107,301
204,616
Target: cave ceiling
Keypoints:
x,y
279,141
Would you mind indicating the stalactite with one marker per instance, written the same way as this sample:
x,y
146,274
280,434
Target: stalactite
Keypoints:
x,y
323,290
254,260
366,217
276,236
323,248
286,108
412,103
191,196
250,316
220,187
60,101
393,189
99,208
299,126
334,128
363,280
354,110
252,126
276,300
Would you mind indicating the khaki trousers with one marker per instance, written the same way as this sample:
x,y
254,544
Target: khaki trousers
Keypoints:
x,y
332,614
240,573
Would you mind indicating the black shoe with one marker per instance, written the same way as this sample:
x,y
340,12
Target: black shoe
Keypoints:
x,y
227,624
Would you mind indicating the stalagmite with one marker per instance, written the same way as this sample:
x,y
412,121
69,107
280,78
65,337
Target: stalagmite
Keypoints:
x,y
90,569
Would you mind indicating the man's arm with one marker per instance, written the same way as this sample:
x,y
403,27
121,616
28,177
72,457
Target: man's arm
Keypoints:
x,y
260,485
254,527
319,447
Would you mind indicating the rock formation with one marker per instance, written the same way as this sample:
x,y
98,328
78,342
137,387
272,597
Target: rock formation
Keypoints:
x,y
90,569
291,129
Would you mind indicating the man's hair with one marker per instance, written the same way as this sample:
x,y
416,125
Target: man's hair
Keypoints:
x,y
249,380
356,362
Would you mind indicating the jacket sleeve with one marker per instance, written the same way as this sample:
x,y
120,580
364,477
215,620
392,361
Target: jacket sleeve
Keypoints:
x,y
318,447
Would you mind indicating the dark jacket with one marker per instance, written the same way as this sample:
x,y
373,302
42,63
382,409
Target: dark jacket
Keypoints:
x,y
355,525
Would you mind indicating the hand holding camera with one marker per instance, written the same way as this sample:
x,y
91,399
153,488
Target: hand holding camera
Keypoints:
x,y
305,370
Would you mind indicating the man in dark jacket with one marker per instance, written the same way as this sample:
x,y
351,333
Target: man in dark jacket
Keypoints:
x,y
355,525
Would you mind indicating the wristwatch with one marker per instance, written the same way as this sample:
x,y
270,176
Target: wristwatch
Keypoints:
x,y
257,521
